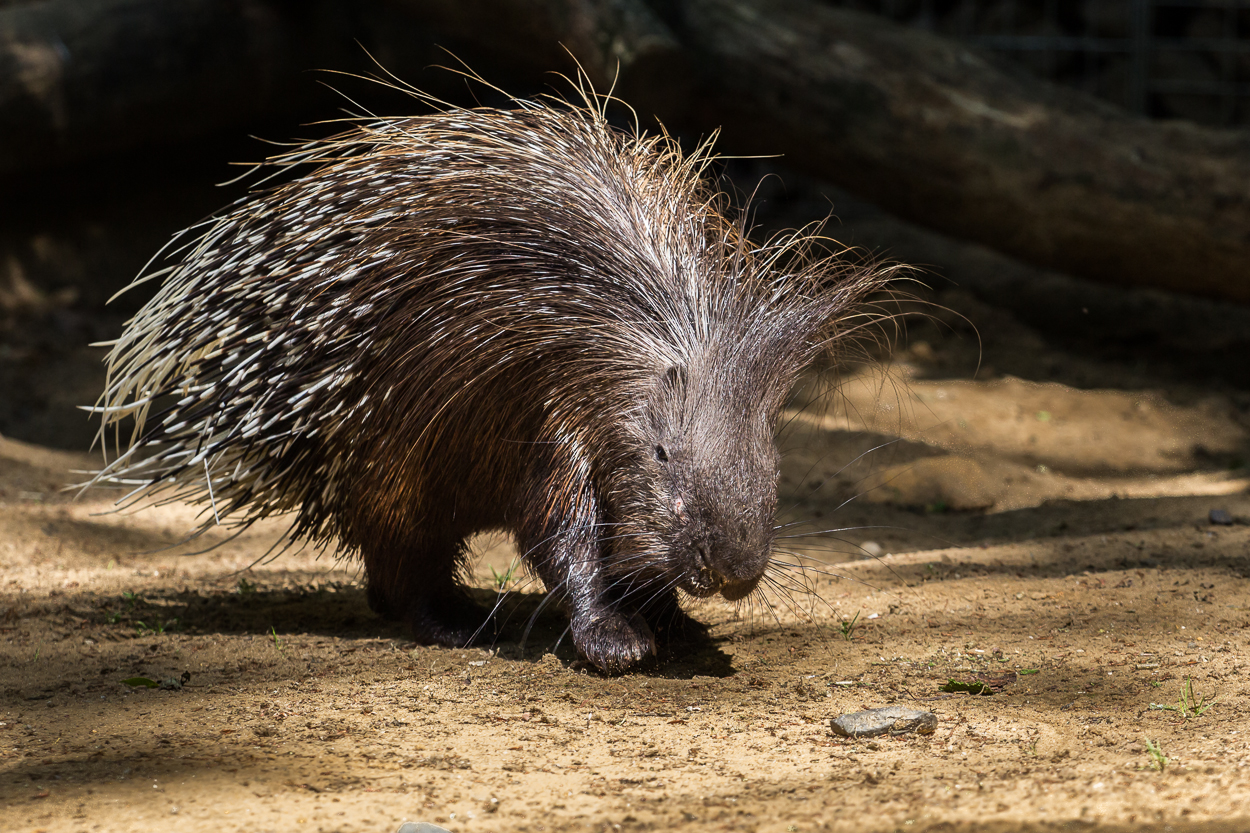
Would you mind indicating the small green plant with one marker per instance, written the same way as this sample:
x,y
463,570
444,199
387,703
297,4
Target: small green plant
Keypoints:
x,y
847,626
502,580
979,687
130,601
246,588
1157,759
168,684
1188,705
157,628
277,643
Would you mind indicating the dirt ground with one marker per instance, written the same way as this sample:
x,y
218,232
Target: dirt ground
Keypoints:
x,y
1028,506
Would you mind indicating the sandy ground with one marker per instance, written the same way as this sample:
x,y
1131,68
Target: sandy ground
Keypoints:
x,y
1004,501
1053,540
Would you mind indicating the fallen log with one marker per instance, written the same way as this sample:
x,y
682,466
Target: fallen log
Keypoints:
x,y
921,125
936,133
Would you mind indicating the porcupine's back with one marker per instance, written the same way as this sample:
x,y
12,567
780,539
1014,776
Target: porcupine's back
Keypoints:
x,y
439,293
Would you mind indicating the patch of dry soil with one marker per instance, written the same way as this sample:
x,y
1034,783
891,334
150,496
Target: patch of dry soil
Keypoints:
x,y
1055,541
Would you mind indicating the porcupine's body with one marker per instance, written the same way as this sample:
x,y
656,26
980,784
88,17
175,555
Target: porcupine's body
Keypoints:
x,y
486,319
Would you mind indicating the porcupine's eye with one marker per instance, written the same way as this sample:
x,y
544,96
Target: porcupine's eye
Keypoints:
x,y
661,454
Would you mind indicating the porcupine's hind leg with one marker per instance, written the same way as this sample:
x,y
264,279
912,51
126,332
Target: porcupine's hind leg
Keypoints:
x,y
419,584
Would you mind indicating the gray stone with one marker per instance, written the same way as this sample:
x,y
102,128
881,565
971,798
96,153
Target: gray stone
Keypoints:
x,y
421,827
896,720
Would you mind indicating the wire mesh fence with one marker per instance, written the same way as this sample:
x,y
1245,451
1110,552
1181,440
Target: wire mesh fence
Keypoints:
x,y
1185,59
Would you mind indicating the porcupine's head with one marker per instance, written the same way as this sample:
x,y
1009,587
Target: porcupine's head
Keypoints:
x,y
691,494
713,464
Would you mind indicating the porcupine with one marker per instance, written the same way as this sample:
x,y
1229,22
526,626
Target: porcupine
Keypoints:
x,y
521,319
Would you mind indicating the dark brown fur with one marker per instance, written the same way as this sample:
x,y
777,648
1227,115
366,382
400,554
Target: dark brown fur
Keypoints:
x,y
488,319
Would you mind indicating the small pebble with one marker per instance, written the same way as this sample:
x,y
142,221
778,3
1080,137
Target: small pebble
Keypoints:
x,y
1221,517
421,827
896,720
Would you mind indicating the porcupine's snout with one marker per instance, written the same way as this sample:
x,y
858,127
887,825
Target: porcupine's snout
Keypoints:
x,y
729,558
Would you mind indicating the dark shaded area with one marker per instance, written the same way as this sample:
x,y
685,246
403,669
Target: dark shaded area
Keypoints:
x,y
521,625
1162,58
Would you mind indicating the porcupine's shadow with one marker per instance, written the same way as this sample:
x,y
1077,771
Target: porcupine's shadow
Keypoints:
x,y
326,608
521,626
524,627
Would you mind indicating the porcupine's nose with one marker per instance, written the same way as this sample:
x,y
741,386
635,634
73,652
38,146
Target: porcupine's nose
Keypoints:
x,y
709,579
738,565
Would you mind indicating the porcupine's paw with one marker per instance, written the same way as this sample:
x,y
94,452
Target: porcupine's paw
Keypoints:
x,y
615,642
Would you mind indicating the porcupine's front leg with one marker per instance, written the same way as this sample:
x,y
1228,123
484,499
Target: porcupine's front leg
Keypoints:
x,y
567,555
612,636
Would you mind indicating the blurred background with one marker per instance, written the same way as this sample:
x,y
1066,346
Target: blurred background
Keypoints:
x,y
1184,59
